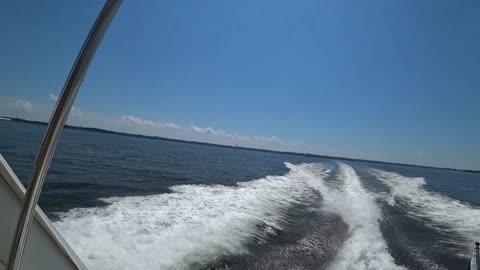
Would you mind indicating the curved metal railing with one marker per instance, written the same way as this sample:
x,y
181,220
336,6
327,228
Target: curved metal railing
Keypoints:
x,y
55,128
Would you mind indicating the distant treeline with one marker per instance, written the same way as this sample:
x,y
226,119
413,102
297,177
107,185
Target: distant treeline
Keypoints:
x,y
99,130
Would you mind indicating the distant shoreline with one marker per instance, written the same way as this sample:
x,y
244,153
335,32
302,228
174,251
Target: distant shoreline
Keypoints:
x,y
99,130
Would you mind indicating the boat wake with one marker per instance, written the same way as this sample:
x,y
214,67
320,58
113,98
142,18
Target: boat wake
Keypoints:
x,y
366,247
191,226
443,213
196,225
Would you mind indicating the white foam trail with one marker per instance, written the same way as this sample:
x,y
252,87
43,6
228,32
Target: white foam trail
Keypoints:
x,y
443,213
194,224
366,248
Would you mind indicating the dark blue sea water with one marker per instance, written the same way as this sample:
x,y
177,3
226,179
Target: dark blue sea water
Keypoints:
x,y
133,203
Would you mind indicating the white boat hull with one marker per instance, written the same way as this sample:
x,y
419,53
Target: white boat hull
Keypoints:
x,y
45,248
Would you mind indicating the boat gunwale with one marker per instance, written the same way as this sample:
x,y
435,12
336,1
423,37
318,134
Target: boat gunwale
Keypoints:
x,y
19,190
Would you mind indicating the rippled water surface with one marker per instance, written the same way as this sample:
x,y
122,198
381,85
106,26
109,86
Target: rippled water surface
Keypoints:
x,y
133,203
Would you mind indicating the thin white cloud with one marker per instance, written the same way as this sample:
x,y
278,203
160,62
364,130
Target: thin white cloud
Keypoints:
x,y
199,129
277,141
23,104
11,106
143,122
271,139
137,120
214,132
74,111
171,125
255,140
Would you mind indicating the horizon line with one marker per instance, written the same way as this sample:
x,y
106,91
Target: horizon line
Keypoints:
x,y
105,131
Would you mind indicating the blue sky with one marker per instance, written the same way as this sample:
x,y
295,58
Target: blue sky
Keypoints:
x,y
386,80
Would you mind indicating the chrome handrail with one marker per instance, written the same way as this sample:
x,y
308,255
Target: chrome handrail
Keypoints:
x,y
54,129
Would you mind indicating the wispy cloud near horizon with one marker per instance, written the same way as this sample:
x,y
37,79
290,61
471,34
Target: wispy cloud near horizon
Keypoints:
x,y
209,134
271,140
215,132
76,112
24,105
143,122
20,107
53,97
